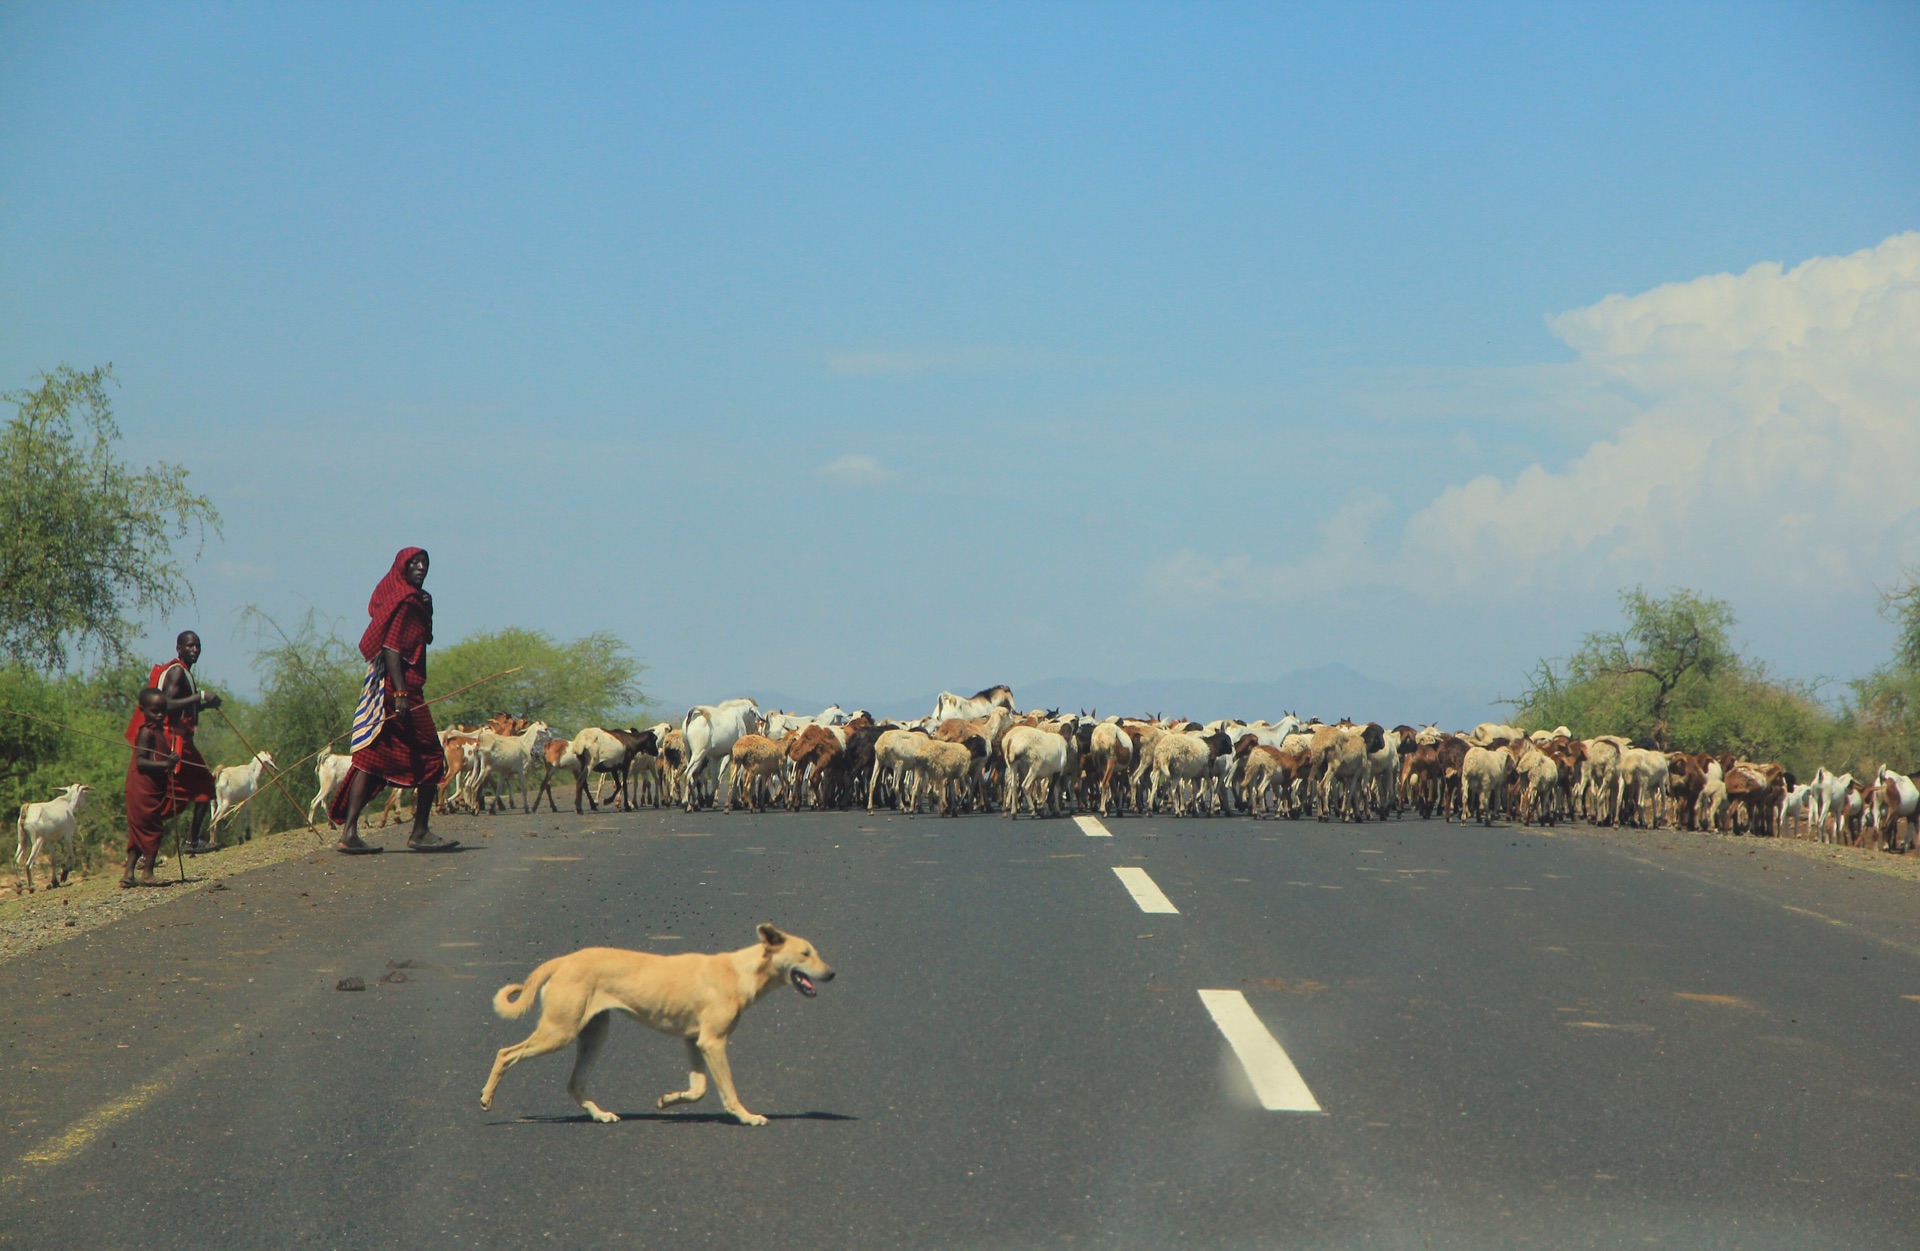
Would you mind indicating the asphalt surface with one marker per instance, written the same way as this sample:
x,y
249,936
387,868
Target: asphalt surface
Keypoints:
x,y
1518,1040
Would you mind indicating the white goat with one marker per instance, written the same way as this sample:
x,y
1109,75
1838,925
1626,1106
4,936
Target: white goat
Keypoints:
x,y
331,769
233,786
1829,800
50,820
508,756
711,731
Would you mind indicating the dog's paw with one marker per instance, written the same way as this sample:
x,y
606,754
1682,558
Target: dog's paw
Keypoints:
x,y
605,1118
751,1118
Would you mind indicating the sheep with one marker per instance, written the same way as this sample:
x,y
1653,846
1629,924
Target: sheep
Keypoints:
x,y
1483,780
1146,738
1034,757
1185,760
1105,762
752,757
232,787
1640,786
1260,769
1599,789
1345,768
1540,775
52,819
944,766
673,758
989,727
817,756
893,753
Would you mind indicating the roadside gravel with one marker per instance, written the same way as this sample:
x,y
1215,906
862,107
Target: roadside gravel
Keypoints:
x,y
30,922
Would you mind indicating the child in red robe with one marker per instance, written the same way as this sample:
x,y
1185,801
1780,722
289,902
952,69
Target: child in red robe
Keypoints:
x,y
151,795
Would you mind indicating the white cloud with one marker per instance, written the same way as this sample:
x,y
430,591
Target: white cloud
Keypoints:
x,y
854,471
1341,556
1774,439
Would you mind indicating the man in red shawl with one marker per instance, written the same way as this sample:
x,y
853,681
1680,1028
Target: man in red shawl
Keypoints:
x,y
191,782
395,742
149,788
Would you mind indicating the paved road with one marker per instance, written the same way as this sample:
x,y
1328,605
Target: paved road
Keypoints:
x,y
1517,1040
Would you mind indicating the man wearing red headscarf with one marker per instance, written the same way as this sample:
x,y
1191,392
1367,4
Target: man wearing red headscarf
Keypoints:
x,y
395,742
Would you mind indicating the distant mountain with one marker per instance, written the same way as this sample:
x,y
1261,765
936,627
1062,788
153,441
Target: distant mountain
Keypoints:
x,y
1328,692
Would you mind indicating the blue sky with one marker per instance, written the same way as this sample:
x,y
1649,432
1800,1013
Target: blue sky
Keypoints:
x,y
862,351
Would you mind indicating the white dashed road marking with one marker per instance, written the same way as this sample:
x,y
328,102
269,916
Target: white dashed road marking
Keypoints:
x,y
1150,897
1275,1081
1091,827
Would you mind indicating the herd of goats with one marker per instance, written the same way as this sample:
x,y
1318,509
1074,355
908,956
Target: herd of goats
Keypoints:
x,y
981,754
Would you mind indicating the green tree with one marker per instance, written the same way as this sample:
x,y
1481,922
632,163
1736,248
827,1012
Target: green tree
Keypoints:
x,y
1673,677
1902,607
86,543
38,761
591,681
1885,712
1638,680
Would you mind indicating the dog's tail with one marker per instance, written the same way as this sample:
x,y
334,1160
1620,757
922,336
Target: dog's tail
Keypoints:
x,y
513,1000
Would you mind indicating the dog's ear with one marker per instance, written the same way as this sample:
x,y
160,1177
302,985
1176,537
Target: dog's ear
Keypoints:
x,y
771,935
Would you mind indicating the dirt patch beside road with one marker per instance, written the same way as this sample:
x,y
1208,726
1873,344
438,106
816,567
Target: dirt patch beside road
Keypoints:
x,y
1833,855
30,922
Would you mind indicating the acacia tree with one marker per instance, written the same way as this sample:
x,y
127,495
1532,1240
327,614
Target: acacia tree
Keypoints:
x,y
590,681
1639,680
1669,642
1886,703
86,542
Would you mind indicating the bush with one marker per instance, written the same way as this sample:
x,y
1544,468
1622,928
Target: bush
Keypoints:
x,y
1673,678
590,681
38,760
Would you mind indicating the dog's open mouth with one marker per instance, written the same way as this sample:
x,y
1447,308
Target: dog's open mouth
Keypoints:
x,y
803,983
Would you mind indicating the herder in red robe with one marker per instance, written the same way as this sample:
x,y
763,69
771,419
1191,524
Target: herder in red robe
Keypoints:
x,y
395,742
191,780
149,788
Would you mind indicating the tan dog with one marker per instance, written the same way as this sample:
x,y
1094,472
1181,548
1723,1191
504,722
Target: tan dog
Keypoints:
x,y
695,997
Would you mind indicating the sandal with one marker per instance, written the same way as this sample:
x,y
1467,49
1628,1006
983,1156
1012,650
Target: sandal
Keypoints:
x,y
357,849
433,843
